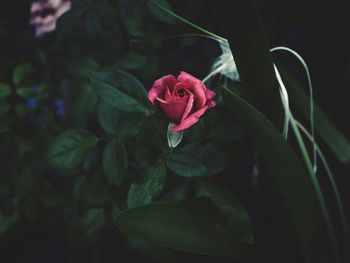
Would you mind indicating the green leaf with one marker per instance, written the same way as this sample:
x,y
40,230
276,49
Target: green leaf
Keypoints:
x,y
178,193
301,205
81,68
68,150
91,160
159,13
132,61
199,160
5,90
185,165
20,72
92,221
179,227
131,17
115,162
335,140
25,91
122,91
123,125
252,56
238,218
215,156
150,186
84,105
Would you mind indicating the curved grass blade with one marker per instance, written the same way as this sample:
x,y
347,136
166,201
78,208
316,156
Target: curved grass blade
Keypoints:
x,y
330,176
250,48
313,235
335,140
186,21
312,125
296,126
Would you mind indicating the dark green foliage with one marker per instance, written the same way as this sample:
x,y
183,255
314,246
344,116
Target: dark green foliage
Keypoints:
x,y
69,149
199,160
335,140
309,217
123,125
180,227
238,219
121,90
149,186
84,156
115,162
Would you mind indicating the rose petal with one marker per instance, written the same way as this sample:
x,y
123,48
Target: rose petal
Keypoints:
x,y
195,86
159,87
174,109
209,95
211,104
191,120
188,108
178,86
161,101
167,95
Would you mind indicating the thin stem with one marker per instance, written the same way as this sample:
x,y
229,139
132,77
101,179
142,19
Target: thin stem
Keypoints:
x,y
188,22
330,175
312,125
154,39
314,182
316,186
285,102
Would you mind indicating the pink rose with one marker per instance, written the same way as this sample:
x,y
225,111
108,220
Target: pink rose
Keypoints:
x,y
183,100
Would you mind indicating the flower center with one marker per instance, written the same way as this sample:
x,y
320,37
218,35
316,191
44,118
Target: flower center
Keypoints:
x,y
181,93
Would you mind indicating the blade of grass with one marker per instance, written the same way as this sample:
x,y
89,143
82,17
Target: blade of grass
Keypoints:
x,y
245,33
187,22
296,126
330,176
335,140
302,196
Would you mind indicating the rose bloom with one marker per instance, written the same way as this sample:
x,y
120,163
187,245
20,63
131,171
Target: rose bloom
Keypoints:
x,y
44,14
183,100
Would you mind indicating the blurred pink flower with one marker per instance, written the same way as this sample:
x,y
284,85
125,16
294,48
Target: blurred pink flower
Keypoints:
x,y
44,14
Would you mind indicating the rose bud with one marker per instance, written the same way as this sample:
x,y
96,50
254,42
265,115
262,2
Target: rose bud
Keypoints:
x,y
183,100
